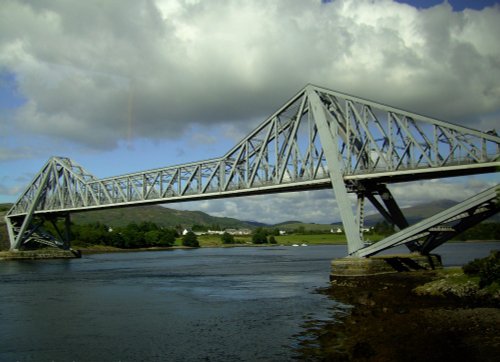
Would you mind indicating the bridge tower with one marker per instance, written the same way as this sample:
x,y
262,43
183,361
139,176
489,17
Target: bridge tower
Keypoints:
x,y
319,139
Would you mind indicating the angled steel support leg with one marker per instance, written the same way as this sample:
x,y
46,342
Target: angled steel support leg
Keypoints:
x,y
329,140
20,237
67,231
64,235
388,208
10,230
391,212
435,230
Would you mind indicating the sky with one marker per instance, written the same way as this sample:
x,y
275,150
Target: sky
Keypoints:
x,y
126,86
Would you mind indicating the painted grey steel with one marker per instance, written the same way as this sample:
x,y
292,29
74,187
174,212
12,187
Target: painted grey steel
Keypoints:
x,y
329,135
318,139
434,231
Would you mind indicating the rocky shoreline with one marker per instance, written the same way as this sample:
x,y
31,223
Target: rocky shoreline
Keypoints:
x,y
406,317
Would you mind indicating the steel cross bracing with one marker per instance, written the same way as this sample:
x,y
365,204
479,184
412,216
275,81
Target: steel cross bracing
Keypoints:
x,y
318,139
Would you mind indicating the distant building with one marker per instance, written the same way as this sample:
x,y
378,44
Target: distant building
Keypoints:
x,y
215,232
238,231
282,232
230,231
336,231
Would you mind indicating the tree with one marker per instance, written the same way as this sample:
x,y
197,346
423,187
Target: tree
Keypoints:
x,y
167,237
384,228
275,232
152,238
197,227
191,240
227,238
300,230
259,236
272,239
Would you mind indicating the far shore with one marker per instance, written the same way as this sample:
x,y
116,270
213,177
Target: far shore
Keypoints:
x,y
100,249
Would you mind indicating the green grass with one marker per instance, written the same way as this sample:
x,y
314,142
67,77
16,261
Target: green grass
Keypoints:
x,y
308,227
290,239
315,239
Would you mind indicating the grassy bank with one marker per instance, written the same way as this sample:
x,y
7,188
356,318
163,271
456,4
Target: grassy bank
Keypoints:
x,y
212,241
454,283
314,239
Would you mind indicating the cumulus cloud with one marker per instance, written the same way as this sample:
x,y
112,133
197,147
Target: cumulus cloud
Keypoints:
x,y
98,73
320,206
307,206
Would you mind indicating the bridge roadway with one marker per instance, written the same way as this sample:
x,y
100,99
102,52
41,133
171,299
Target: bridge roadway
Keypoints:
x,y
318,139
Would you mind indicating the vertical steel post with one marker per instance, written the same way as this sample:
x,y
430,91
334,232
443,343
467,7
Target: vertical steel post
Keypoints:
x,y
360,213
67,231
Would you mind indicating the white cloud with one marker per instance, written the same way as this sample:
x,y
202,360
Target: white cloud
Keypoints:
x,y
98,74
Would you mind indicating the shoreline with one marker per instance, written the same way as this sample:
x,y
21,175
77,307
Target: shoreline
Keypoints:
x,y
101,249
389,321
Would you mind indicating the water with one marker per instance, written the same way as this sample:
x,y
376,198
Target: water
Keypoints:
x,y
234,304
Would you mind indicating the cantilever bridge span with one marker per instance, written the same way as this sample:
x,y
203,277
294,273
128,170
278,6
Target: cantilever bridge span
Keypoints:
x,y
319,139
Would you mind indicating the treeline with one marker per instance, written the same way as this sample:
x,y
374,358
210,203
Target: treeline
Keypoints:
x,y
264,236
142,235
483,231
148,234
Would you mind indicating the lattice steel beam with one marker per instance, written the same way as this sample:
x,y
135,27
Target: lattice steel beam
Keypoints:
x,y
318,139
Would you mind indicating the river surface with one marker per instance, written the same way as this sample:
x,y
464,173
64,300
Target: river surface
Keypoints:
x,y
225,304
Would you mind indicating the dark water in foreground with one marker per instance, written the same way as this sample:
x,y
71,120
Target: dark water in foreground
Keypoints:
x,y
236,304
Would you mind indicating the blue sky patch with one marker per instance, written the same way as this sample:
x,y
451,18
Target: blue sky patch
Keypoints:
x,y
10,97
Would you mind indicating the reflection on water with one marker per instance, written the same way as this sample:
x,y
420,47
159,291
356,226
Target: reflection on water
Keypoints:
x,y
183,305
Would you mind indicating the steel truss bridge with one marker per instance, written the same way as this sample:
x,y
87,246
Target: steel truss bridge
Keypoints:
x,y
319,139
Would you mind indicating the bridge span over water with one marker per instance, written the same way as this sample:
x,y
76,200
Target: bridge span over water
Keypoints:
x,y
319,139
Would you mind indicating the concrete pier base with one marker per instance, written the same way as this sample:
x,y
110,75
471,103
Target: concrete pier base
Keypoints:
x,y
384,264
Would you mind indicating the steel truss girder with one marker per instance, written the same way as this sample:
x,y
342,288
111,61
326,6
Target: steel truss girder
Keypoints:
x,y
318,139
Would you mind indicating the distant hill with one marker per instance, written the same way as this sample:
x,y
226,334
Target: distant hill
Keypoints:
x,y
288,222
5,207
169,218
256,224
159,215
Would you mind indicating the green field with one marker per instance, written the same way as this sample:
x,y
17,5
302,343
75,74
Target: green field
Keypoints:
x,y
313,239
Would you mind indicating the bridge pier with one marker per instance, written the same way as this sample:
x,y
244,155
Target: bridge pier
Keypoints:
x,y
383,264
